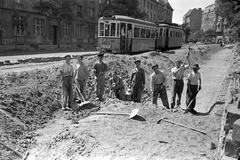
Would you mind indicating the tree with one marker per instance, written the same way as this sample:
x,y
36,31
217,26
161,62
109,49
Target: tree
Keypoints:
x,y
230,10
122,7
186,30
57,9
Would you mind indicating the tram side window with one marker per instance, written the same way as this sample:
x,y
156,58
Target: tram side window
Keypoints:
x,y
136,32
148,33
143,30
164,32
153,33
161,32
107,30
170,34
101,29
113,29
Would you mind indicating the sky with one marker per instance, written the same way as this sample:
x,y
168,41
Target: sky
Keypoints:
x,y
181,7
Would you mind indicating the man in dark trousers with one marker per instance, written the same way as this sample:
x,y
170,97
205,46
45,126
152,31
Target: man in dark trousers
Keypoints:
x,y
178,84
67,74
117,86
137,82
158,82
99,70
193,86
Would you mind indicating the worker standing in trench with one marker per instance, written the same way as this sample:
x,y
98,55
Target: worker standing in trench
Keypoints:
x,y
81,76
99,70
177,81
67,74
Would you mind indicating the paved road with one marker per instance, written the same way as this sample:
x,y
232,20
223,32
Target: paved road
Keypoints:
x,y
14,59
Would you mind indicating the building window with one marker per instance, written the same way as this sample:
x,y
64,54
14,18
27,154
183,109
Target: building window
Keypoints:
x,y
91,12
67,30
20,27
147,4
78,30
79,9
39,27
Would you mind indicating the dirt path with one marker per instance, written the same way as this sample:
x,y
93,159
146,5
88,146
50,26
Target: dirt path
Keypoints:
x,y
117,137
213,72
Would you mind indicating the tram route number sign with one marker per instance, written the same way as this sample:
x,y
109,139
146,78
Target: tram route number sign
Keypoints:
x,y
106,46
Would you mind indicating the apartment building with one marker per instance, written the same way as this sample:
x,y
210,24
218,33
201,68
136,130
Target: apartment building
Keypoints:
x,y
42,29
193,17
157,10
209,18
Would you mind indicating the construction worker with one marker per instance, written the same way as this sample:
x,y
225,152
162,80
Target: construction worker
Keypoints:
x,y
193,86
117,86
81,76
137,82
67,74
158,82
99,70
177,81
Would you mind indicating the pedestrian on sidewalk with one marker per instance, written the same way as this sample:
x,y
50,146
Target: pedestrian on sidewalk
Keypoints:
x,y
81,76
177,81
137,82
99,70
67,74
117,86
193,86
158,82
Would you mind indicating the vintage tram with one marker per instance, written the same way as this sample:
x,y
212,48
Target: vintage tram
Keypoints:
x,y
123,34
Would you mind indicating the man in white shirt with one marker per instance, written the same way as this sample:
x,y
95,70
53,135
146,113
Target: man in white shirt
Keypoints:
x,y
193,86
67,74
178,84
81,76
158,82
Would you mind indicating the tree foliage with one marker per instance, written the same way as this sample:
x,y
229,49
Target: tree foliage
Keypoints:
x,y
122,7
230,10
186,30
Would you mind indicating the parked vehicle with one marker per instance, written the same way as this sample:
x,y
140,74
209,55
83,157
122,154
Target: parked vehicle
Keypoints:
x,y
123,34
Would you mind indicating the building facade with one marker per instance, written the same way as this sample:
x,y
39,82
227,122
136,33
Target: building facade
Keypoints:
x,y
193,17
209,18
157,10
43,29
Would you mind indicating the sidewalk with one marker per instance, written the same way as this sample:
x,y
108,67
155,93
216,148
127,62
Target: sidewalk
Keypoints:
x,y
9,50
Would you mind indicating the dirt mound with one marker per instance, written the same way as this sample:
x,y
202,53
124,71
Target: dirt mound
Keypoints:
x,y
28,100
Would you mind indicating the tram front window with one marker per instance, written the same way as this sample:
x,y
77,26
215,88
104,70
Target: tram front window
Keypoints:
x,y
113,29
101,29
107,30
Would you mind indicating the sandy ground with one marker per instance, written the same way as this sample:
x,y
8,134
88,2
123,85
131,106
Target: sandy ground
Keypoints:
x,y
117,137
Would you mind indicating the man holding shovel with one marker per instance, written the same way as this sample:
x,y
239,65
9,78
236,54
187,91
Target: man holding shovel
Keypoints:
x,y
193,86
177,78
81,76
66,72
158,82
99,70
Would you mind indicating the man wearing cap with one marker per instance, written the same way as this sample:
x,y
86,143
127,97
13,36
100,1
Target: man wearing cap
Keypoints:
x,y
117,86
158,82
81,75
99,70
193,86
177,84
67,74
137,82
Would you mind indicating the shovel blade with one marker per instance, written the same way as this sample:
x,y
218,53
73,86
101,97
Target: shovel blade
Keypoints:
x,y
134,113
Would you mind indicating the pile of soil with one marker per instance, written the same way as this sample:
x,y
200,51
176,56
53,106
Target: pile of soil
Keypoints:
x,y
30,99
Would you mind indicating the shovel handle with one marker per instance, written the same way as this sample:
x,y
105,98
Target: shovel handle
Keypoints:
x,y
194,129
110,113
